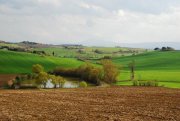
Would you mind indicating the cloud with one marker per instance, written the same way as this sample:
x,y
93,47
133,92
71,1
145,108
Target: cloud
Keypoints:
x,y
80,21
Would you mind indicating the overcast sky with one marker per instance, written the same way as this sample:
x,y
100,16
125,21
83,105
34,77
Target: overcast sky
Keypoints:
x,y
90,21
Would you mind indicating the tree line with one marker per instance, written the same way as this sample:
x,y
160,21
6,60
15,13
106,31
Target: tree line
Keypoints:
x,y
90,73
164,49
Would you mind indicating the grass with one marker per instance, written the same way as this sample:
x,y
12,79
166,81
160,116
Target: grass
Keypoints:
x,y
59,51
19,62
88,52
161,66
152,61
9,45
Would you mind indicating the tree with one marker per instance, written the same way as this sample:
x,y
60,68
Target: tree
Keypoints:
x,y
164,49
170,49
90,73
132,68
57,80
96,75
60,81
17,82
42,79
53,53
110,71
37,69
54,80
157,48
98,51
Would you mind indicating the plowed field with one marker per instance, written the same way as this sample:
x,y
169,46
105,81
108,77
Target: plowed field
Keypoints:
x,y
91,104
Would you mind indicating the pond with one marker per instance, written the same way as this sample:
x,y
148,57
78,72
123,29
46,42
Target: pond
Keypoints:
x,y
69,83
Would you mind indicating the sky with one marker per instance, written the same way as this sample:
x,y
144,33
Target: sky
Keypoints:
x,y
90,21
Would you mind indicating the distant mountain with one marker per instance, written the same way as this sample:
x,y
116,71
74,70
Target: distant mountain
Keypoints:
x,y
152,45
1,41
148,45
99,43
32,44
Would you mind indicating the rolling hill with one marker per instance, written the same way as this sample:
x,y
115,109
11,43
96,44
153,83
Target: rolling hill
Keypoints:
x,y
169,60
161,66
20,62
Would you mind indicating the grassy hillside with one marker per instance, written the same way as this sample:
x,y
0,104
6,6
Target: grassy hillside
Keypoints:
x,y
18,62
88,52
153,61
161,66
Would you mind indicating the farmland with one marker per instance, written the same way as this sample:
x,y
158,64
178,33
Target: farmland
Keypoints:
x,y
90,52
21,62
89,60
160,66
114,103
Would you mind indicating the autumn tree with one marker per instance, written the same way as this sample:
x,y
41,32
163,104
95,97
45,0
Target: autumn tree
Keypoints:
x,y
54,80
60,81
42,79
110,71
96,75
90,73
37,69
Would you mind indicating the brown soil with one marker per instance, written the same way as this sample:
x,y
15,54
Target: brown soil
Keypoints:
x,y
4,78
91,104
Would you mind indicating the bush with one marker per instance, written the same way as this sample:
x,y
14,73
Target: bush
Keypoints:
x,y
157,48
146,83
37,68
90,73
110,71
107,57
135,83
86,72
167,49
39,52
98,51
83,84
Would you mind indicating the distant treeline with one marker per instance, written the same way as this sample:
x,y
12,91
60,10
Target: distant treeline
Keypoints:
x,y
165,49
90,73
18,49
86,72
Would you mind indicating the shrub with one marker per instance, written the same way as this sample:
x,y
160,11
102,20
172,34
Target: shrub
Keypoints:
x,y
167,49
135,83
98,51
107,57
83,84
157,48
39,52
110,71
146,83
86,72
37,68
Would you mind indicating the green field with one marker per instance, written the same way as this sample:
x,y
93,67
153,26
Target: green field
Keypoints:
x,y
88,52
161,66
19,62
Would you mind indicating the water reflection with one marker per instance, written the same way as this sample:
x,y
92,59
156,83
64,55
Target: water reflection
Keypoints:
x,y
69,83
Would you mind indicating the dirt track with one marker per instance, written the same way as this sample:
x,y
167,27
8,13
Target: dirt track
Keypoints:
x,y
92,104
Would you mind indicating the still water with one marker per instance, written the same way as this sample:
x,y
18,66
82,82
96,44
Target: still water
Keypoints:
x,y
69,83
